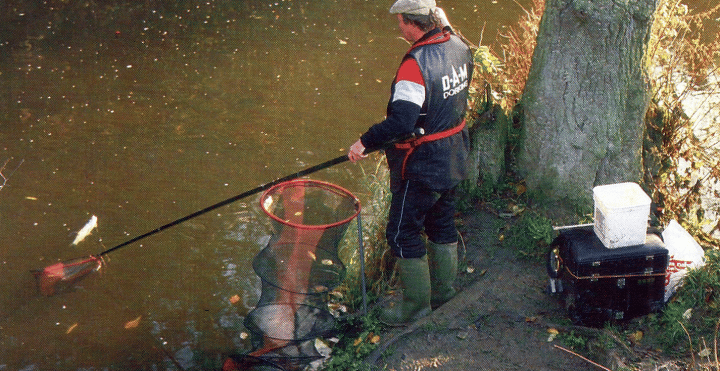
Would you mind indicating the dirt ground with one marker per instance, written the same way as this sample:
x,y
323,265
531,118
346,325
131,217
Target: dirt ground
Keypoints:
x,y
498,321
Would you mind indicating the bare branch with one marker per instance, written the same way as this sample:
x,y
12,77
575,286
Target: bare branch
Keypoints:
x,y
4,177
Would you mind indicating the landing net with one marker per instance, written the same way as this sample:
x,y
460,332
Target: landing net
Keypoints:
x,y
298,266
61,276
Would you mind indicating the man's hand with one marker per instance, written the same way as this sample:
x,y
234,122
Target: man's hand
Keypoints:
x,y
357,151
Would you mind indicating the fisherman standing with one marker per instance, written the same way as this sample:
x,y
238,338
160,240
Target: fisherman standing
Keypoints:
x,y
429,92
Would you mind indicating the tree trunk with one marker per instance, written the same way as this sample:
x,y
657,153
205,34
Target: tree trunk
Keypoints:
x,y
586,96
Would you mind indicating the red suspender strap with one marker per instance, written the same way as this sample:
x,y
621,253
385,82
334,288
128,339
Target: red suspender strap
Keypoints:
x,y
410,144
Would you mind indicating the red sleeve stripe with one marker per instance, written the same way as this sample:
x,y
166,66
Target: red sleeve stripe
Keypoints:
x,y
409,85
410,71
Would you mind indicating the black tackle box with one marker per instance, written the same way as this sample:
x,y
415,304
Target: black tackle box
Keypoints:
x,y
599,284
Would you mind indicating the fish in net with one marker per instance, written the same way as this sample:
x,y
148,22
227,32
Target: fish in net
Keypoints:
x,y
299,265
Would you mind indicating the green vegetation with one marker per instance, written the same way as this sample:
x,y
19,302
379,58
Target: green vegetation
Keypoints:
x,y
379,262
359,337
692,317
681,154
681,163
359,333
530,236
572,340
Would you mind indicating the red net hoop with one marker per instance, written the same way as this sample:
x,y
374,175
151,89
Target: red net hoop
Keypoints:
x,y
310,204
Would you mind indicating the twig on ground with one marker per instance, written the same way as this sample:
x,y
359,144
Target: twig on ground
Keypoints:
x,y
717,364
692,352
583,358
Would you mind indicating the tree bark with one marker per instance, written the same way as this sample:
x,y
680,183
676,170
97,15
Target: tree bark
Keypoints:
x,y
586,97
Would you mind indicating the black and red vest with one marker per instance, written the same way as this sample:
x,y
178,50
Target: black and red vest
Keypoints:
x,y
439,160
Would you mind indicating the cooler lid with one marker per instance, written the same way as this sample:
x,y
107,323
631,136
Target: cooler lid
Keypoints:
x,y
586,248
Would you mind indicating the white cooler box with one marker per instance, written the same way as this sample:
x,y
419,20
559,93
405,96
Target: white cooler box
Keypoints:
x,y
621,214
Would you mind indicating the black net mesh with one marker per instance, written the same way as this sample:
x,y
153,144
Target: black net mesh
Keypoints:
x,y
299,265
322,270
249,363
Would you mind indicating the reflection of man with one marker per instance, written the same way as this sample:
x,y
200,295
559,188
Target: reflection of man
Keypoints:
x,y
430,92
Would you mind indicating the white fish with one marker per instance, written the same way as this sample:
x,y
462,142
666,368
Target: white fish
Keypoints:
x,y
86,230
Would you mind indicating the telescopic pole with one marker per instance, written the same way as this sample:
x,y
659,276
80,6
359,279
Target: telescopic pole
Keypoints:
x,y
362,263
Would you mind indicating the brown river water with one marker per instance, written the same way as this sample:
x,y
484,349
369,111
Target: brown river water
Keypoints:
x,y
143,121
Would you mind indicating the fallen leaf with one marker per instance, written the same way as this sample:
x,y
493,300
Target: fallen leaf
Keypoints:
x,y
69,330
357,342
531,319
337,307
312,255
375,339
553,333
31,198
244,335
234,299
327,262
688,314
515,209
636,336
134,323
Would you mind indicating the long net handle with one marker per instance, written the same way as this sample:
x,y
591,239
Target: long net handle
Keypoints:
x,y
361,247
255,190
230,200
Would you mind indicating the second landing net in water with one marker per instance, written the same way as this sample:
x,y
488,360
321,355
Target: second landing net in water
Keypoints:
x,y
60,276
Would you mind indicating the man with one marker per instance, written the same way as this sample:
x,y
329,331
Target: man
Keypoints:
x,y
429,92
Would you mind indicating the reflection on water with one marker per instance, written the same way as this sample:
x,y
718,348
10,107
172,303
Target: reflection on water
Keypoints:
x,y
150,115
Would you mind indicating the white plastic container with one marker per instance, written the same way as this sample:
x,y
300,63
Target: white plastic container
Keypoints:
x,y
621,214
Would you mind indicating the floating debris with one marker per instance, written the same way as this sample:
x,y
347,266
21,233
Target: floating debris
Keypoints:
x,y
134,323
86,230
69,330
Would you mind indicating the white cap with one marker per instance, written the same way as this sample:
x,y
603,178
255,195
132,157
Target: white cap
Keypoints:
x,y
417,7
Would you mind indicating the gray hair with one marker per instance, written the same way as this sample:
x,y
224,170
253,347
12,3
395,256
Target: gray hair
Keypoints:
x,y
423,22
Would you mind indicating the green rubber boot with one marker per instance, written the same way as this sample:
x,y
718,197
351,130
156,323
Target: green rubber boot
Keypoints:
x,y
443,271
415,304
